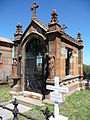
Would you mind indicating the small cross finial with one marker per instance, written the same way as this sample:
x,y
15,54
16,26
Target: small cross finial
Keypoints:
x,y
34,9
64,27
19,28
79,37
54,16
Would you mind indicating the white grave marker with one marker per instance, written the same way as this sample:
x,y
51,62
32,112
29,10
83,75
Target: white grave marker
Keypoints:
x,y
57,97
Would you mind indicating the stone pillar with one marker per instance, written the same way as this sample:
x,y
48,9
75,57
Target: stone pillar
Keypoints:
x,y
16,59
53,35
80,61
62,61
80,56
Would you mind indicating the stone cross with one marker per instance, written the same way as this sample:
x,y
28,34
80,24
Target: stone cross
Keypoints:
x,y
34,9
56,96
64,27
54,16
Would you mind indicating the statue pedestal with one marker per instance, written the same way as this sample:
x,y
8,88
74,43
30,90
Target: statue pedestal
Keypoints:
x,y
60,117
16,84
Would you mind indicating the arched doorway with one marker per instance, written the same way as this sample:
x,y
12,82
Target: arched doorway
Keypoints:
x,y
34,65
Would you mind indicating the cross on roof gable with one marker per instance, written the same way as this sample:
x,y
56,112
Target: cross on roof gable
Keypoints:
x,y
34,9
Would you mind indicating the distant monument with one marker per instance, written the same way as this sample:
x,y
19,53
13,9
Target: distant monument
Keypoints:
x,y
6,46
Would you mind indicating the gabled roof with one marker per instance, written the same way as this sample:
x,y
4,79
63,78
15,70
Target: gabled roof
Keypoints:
x,y
2,39
41,24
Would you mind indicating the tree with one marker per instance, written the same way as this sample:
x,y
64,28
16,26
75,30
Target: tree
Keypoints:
x,y
86,71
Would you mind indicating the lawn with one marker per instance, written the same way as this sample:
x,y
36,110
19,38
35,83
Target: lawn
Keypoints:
x,y
76,107
4,94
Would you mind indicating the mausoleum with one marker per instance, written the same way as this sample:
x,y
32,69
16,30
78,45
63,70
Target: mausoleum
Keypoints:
x,y
6,46
44,51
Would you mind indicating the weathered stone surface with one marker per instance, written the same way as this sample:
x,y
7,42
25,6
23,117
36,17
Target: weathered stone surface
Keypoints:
x,y
33,95
39,38
6,58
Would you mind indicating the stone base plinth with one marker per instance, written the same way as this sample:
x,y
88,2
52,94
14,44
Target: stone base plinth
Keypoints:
x,y
16,88
33,95
50,81
15,93
60,117
73,87
82,85
16,84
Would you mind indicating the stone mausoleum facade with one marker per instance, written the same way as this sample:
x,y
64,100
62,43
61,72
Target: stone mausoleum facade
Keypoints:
x,y
6,46
44,51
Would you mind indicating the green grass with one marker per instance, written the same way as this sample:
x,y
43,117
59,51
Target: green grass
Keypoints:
x,y
76,107
4,94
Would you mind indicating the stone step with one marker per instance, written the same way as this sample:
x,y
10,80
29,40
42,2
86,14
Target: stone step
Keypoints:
x,y
30,102
48,101
33,95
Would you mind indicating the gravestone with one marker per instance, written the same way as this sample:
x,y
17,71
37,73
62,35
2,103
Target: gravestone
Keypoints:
x,y
57,97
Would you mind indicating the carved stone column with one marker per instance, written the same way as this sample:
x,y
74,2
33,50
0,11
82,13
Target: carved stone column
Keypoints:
x,y
80,56
53,35
80,61
16,62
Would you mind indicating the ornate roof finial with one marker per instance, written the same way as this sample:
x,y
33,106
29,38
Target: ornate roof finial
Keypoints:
x,y
54,16
64,27
34,9
79,38
19,24
19,28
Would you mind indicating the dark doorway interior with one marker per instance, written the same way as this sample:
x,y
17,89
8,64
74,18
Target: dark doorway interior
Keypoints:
x,y
34,65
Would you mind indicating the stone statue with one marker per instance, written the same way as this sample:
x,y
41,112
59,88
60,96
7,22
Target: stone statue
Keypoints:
x,y
51,66
14,68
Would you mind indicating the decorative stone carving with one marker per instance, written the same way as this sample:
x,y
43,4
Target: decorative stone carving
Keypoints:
x,y
54,16
51,66
14,67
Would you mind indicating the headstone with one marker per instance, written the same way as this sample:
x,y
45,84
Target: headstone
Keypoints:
x,y
57,97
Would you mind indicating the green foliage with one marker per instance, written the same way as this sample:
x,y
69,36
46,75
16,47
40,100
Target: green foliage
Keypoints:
x,y
86,71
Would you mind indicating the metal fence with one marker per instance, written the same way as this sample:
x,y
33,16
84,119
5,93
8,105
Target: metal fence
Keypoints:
x,y
16,112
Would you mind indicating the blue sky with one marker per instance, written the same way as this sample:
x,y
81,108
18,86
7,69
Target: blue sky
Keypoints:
x,y
75,14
